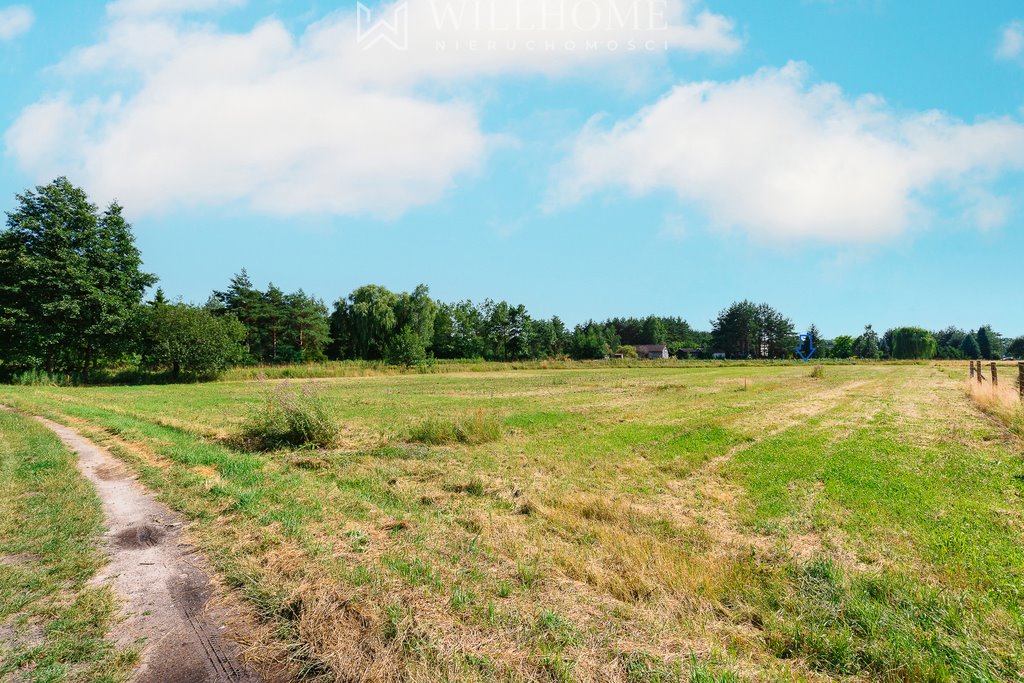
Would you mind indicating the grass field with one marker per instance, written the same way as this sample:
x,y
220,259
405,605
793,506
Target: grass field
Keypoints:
x,y
618,524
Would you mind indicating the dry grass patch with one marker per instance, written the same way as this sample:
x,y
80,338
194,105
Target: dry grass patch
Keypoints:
x,y
1002,401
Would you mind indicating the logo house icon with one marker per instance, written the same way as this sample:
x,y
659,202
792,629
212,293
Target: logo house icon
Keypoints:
x,y
393,30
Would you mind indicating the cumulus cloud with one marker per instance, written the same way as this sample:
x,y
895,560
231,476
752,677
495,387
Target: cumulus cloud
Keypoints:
x,y
781,158
332,120
15,20
252,118
1011,42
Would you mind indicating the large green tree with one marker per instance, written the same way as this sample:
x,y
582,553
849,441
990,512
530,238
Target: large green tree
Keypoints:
x,y
307,327
969,347
415,314
457,331
654,331
1016,348
758,331
842,346
71,282
990,344
868,345
593,341
279,327
372,318
735,330
913,343
190,341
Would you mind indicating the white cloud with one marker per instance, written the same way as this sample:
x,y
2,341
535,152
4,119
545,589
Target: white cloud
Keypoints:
x,y
314,123
250,117
143,8
1011,42
15,20
782,159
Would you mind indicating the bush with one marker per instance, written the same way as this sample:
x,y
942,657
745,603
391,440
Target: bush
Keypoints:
x,y
818,372
627,351
40,378
291,417
406,349
190,341
477,428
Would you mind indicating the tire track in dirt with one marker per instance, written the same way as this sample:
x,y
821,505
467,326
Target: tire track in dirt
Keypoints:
x,y
165,593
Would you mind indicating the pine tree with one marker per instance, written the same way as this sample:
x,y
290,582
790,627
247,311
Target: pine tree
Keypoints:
x,y
969,347
984,343
813,341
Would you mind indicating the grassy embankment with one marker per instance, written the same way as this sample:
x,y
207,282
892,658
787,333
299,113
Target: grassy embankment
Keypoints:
x,y
705,523
52,625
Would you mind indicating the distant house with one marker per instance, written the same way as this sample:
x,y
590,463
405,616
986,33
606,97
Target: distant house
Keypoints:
x,y
718,355
652,351
683,354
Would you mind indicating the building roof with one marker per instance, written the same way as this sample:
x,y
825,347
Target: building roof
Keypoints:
x,y
651,348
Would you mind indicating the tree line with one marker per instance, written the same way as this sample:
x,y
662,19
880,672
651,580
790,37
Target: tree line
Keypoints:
x,y
72,289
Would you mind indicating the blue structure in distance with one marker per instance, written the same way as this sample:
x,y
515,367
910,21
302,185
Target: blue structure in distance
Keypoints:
x,y
809,338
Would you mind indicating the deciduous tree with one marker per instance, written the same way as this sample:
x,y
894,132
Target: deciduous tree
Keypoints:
x,y
913,343
190,341
71,282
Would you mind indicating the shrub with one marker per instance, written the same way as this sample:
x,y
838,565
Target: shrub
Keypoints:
x,y
406,349
818,372
190,341
480,427
627,351
288,416
39,378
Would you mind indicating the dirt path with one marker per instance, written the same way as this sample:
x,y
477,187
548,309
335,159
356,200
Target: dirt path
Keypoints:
x,y
163,589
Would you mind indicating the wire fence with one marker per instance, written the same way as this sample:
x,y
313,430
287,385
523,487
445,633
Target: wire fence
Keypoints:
x,y
978,374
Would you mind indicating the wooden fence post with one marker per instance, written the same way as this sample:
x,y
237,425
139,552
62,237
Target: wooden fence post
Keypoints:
x,y
972,369
981,378
995,375
1020,379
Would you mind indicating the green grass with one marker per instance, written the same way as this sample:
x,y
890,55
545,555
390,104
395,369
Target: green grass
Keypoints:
x,y
737,521
473,429
52,626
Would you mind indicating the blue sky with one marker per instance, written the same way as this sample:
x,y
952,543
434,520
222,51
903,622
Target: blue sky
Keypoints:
x,y
850,162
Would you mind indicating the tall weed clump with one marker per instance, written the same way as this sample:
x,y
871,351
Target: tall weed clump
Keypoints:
x,y
479,427
290,416
1002,402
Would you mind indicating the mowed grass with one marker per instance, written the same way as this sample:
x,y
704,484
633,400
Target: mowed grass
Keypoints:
x,y
620,524
52,626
